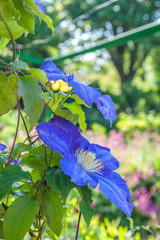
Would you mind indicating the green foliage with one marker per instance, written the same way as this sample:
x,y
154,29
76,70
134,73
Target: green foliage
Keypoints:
x,y
18,30
26,19
59,182
32,96
19,217
40,75
53,210
85,204
45,18
77,109
36,159
67,114
10,175
8,96
16,65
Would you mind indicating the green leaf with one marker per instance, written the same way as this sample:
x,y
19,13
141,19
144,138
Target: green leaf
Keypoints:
x,y
67,114
77,109
36,175
53,210
10,175
16,65
21,147
8,9
8,90
3,159
78,100
35,159
26,19
58,181
19,218
33,98
3,42
85,204
41,76
17,30
36,11
1,230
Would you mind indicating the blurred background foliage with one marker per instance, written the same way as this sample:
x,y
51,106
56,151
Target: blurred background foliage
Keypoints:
x,y
130,73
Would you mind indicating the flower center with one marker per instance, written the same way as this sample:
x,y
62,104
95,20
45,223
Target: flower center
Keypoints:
x,y
79,77
87,160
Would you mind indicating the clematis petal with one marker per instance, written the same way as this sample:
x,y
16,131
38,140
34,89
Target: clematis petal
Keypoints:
x,y
84,143
70,129
110,163
2,147
106,106
86,93
49,66
116,190
53,72
78,175
55,137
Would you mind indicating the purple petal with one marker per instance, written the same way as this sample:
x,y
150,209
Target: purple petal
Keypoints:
x,y
55,137
78,175
86,93
106,106
110,163
84,143
70,129
49,66
116,190
40,8
2,147
53,73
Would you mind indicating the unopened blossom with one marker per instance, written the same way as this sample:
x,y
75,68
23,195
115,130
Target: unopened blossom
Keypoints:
x,y
81,87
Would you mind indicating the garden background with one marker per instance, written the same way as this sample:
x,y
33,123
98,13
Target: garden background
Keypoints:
x,y
129,72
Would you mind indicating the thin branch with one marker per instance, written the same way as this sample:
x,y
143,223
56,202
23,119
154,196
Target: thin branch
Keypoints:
x,y
10,33
46,157
50,158
79,219
49,108
26,129
40,230
14,141
19,53
4,62
35,140
64,99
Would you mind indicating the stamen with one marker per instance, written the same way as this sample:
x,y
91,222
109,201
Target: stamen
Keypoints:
x,y
87,160
78,77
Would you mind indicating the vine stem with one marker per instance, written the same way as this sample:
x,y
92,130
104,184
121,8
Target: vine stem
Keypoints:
x,y
64,99
4,62
10,33
49,108
79,219
40,230
18,106
25,126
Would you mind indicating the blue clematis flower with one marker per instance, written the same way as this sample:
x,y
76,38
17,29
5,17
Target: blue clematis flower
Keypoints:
x,y
2,147
86,163
80,86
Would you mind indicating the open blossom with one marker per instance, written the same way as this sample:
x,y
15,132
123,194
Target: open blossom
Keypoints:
x,y
80,86
86,163
2,147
